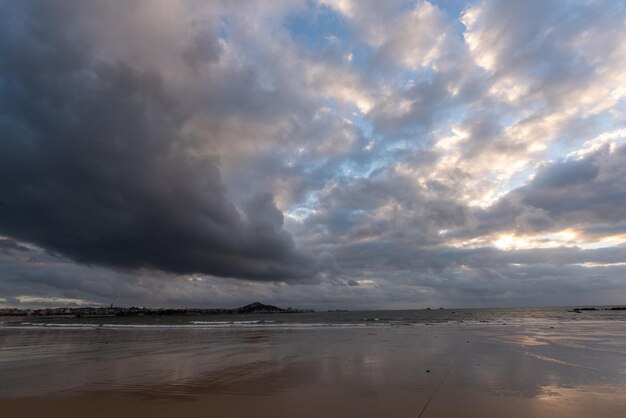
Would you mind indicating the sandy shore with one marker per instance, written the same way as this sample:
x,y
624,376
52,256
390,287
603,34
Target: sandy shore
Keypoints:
x,y
574,403
571,370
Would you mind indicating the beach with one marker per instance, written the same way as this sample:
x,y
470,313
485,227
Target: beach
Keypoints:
x,y
525,369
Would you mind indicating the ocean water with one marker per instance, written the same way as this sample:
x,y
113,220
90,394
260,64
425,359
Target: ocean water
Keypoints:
x,y
349,319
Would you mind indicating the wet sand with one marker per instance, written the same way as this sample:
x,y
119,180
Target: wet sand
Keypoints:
x,y
571,370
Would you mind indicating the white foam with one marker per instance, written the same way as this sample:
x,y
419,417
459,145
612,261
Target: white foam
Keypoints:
x,y
260,324
194,325
230,322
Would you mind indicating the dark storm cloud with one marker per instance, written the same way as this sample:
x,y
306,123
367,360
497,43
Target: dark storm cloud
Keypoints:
x,y
94,164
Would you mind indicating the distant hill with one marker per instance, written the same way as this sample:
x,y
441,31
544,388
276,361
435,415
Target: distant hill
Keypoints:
x,y
92,312
257,307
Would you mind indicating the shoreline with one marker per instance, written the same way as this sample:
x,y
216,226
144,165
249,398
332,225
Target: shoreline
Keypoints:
x,y
575,369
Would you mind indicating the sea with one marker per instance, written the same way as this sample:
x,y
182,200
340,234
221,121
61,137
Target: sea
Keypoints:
x,y
335,319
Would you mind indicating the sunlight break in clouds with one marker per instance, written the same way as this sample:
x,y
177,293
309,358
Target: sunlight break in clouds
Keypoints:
x,y
321,153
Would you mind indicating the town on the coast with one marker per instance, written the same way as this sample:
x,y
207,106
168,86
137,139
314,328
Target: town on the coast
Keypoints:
x,y
93,312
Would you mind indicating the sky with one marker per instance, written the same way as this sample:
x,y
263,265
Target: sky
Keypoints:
x,y
316,154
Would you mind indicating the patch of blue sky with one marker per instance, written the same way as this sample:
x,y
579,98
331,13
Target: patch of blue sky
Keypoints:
x,y
352,170
300,212
362,124
407,79
372,151
452,8
319,28
372,143
567,143
455,115
546,70
303,210
223,29
508,117
379,157
518,180
361,54
317,25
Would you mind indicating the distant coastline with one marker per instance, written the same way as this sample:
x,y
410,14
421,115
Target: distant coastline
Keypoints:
x,y
252,308
95,312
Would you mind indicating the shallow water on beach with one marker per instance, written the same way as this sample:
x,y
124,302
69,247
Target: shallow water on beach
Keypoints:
x,y
544,363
